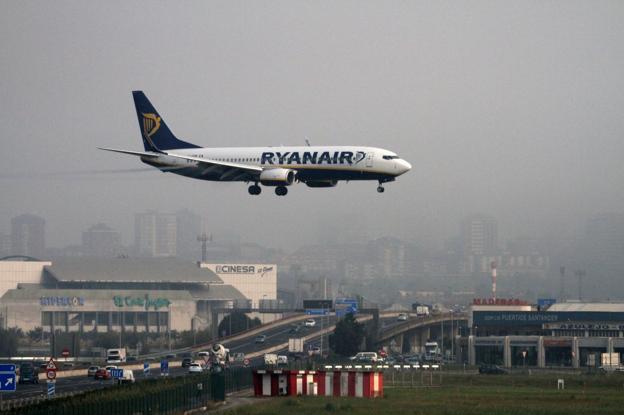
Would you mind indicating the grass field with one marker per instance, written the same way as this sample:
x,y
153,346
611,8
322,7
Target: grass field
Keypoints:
x,y
474,394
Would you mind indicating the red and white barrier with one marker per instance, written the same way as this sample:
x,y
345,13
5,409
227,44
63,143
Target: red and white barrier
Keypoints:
x,y
353,383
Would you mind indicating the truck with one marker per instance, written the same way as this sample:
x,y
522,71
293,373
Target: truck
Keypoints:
x,y
219,355
296,345
116,355
422,310
270,359
432,352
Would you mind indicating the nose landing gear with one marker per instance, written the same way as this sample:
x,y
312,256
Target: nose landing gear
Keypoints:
x,y
254,189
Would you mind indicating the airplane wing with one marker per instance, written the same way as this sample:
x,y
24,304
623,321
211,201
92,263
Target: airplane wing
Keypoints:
x,y
226,170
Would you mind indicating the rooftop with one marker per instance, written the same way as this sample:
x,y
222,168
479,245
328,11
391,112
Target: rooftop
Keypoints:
x,y
144,270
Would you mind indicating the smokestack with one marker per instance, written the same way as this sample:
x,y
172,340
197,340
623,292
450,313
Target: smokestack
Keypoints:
x,y
493,266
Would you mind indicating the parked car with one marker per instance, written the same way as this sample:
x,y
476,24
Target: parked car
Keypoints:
x,y
195,368
261,338
91,371
28,373
402,317
171,356
102,374
282,360
203,354
186,362
309,322
491,370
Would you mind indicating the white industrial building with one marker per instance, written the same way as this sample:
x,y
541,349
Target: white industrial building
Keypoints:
x,y
130,294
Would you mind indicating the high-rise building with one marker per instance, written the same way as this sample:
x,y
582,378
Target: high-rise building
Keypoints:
x,y
479,235
101,240
155,234
5,244
28,236
189,227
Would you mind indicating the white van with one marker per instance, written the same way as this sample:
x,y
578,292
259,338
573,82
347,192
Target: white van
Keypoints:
x,y
128,377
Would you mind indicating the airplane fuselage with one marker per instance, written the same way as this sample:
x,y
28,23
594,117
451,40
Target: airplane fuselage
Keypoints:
x,y
312,163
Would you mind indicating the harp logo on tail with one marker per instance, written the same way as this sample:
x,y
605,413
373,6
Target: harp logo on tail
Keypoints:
x,y
151,124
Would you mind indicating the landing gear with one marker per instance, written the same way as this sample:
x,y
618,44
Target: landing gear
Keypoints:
x,y
254,189
281,191
380,189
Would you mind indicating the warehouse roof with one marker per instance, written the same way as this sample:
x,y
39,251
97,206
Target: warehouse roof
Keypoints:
x,y
154,270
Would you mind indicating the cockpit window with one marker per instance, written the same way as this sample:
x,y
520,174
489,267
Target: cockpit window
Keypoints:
x,y
390,157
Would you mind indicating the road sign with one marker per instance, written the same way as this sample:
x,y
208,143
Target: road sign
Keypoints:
x,y
164,367
116,373
51,365
65,352
51,387
7,378
51,374
146,368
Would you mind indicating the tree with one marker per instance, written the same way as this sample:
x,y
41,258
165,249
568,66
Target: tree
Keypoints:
x,y
35,334
347,336
10,338
236,322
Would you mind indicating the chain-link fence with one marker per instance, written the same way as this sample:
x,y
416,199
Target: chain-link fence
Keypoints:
x,y
155,396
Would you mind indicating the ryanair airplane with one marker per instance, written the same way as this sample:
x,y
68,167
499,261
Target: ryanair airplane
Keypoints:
x,y
270,166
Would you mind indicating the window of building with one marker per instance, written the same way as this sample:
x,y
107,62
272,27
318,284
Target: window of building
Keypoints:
x,y
102,318
141,319
89,318
115,318
128,318
46,318
60,318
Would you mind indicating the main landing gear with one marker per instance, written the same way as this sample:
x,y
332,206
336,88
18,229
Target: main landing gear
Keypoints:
x,y
281,191
380,189
254,189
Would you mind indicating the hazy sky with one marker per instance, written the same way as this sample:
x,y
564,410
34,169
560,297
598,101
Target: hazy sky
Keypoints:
x,y
509,108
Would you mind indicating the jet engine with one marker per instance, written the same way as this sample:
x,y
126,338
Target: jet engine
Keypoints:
x,y
277,177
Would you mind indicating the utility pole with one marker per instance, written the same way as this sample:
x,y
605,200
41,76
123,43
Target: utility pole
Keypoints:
x,y
562,271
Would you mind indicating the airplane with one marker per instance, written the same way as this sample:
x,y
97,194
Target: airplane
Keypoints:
x,y
279,167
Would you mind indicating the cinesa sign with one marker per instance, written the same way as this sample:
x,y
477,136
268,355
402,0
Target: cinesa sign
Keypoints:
x,y
243,269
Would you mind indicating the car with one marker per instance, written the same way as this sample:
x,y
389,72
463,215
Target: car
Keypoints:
x,y
91,371
260,339
171,356
67,365
309,322
402,317
186,362
366,357
28,373
314,351
203,354
237,357
282,360
195,368
491,370
102,374
131,359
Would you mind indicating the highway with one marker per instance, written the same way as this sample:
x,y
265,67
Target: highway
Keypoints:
x,y
275,336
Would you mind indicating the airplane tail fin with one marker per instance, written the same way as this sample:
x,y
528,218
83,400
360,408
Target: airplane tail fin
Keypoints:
x,y
156,135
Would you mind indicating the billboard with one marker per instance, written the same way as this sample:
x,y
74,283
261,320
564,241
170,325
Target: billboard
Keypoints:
x,y
317,304
345,306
